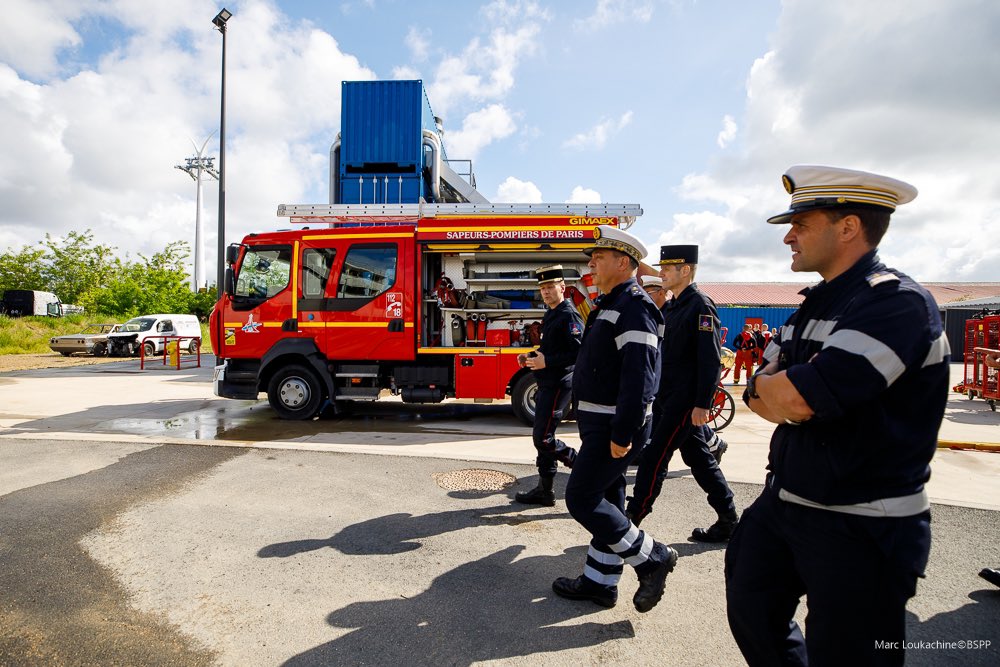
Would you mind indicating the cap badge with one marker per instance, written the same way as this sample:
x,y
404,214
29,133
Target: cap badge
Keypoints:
x,y
788,183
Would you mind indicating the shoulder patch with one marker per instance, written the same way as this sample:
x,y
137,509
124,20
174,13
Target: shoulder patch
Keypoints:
x,y
706,322
574,328
635,290
881,277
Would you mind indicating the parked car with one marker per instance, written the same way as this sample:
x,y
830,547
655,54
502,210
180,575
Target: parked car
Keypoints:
x,y
148,334
92,340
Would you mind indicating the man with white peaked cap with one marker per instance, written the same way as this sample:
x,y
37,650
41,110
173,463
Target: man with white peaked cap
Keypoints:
x,y
856,381
614,381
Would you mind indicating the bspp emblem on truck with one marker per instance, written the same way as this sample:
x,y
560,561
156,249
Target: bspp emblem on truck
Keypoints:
x,y
393,305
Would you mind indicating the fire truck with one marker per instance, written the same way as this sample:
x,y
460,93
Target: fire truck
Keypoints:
x,y
408,283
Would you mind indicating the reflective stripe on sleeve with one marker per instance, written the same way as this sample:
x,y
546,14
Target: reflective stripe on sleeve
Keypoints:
x,y
818,330
599,408
609,315
878,354
642,337
772,351
940,349
660,330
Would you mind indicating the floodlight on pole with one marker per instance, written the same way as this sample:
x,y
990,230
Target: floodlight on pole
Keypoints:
x,y
220,23
195,167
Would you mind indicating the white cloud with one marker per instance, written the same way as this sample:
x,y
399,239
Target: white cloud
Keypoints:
x,y
484,71
515,191
96,148
582,195
828,92
728,132
597,137
405,73
611,12
35,33
479,129
418,41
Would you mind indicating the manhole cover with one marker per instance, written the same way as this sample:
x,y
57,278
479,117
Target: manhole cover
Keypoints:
x,y
475,479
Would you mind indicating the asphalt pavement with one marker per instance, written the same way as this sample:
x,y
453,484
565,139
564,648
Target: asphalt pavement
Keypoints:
x,y
143,521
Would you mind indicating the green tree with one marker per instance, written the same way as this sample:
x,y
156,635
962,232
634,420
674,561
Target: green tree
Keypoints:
x,y
156,284
22,269
74,265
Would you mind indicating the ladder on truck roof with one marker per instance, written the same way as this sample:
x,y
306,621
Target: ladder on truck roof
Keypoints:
x,y
389,214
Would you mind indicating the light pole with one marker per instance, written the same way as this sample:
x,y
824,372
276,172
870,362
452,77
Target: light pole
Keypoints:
x,y
194,166
220,24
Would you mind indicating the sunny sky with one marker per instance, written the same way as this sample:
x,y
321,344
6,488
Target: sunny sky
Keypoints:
x,y
690,108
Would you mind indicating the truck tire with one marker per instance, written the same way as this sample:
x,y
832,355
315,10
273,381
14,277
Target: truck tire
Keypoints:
x,y
295,393
522,398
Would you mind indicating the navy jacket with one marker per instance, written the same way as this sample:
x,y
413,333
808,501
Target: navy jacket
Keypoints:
x,y
562,332
868,354
690,352
617,369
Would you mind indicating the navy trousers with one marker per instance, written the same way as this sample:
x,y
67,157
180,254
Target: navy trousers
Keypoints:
x,y
595,497
551,403
858,572
673,430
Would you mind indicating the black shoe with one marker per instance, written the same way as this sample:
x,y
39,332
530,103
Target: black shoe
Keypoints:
x,y
582,588
536,496
992,576
720,531
720,450
654,581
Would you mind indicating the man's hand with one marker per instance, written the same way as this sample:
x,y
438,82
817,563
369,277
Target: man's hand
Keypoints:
x,y
537,362
522,360
618,451
699,416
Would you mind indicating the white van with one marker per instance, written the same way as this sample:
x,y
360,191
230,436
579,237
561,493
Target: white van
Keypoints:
x,y
147,333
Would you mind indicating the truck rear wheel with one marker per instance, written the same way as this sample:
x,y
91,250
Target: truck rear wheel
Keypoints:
x,y
522,398
295,393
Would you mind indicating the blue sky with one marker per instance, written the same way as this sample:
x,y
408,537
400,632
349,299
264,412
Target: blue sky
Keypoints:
x,y
690,108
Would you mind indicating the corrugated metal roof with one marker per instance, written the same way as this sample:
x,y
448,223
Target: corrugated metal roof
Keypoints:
x,y
787,294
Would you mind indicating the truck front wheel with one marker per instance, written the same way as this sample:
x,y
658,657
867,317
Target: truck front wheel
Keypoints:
x,y
295,393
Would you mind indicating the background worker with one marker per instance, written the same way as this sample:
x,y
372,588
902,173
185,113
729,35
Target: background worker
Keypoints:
x,y
552,364
613,386
857,382
653,286
690,366
745,345
763,342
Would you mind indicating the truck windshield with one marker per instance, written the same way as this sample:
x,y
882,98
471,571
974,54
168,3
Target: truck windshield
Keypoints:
x,y
264,272
138,324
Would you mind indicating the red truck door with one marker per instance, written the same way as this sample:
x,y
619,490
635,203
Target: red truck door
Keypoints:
x,y
357,293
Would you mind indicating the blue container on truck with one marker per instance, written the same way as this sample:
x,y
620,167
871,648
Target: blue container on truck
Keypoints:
x,y
382,142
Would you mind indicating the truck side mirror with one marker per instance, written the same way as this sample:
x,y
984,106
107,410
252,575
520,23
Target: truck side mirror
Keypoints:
x,y
232,253
229,286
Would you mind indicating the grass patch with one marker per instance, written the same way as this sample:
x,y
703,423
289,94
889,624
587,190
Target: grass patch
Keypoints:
x,y
30,335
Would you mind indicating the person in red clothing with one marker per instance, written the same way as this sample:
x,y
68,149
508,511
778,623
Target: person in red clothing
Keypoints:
x,y
746,345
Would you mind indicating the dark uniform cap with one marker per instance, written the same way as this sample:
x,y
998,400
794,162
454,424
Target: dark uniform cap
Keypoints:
x,y
678,254
614,238
816,187
549,274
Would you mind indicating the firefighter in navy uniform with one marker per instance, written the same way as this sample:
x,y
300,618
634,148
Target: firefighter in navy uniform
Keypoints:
x,y
857,381
689,374
552,363
614,381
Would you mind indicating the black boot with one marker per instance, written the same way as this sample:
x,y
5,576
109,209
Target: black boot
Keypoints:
x,y
540,495
653,577
582,588
720,531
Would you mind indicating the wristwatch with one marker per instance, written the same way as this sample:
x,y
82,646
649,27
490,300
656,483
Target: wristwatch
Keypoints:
x,y
752,387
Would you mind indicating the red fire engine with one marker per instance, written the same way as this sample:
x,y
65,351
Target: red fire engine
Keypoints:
x,y
423,301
